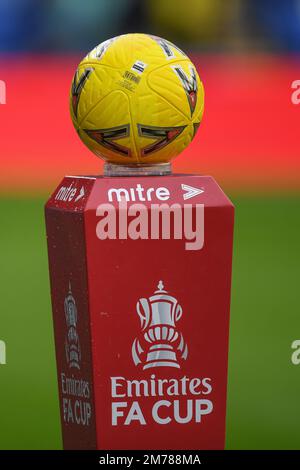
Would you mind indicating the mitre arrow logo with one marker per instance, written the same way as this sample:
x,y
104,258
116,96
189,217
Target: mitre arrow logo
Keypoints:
x,y
161,345
77,87
107,137
162,135
190,191
81,194
189,84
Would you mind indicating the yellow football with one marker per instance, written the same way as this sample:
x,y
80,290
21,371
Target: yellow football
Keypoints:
x,y
136,99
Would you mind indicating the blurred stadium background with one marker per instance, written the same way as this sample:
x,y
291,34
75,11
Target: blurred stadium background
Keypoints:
x,y
247,53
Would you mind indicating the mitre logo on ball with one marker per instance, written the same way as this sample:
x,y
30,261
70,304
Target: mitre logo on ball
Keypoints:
x,y
160,344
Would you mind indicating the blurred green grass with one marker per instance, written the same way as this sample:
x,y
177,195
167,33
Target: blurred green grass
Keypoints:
x,y
263,393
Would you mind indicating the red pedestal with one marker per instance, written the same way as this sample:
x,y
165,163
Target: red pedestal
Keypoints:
x,y
140,271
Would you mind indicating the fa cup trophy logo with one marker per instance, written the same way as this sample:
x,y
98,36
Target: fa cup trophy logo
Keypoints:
x,y
161,345
72,346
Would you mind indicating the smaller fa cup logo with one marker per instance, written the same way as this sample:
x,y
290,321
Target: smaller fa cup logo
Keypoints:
x,y
161,344
72,346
